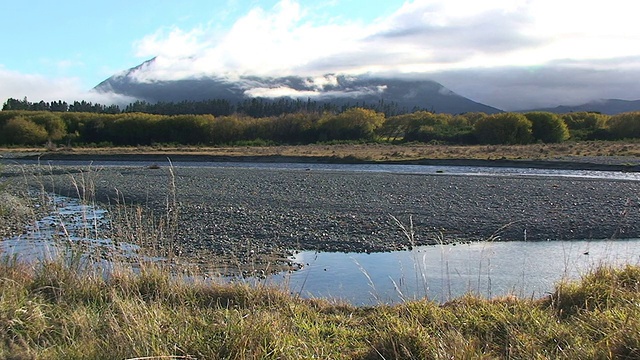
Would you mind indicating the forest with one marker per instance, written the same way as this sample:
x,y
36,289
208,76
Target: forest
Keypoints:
x,y
291,122
254,107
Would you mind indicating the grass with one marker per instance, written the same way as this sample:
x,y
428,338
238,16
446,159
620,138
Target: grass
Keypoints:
x,y
384,152
52,311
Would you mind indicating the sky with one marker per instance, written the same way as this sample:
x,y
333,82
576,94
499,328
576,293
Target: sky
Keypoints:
x,y
510,54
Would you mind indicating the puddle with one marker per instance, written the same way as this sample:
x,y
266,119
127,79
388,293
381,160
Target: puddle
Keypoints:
x,y
441,273
74,231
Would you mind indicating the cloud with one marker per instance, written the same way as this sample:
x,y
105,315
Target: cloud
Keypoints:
x,y
36,87
447,40
285,40
170,42
457,29
317,94
560,83
511,54
263,42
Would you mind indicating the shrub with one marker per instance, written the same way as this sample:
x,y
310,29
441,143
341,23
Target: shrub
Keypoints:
x,y
587,125
548,127
504,128
22,131
53,124
425,126
626,125
353,124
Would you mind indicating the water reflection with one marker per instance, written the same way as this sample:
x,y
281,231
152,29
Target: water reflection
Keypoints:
x,y
440,273
389,168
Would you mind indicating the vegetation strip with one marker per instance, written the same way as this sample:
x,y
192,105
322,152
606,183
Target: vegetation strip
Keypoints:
x,y
53,311
21,127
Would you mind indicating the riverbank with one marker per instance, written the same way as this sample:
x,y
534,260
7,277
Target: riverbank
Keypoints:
x,y
624,164
586,155
243,217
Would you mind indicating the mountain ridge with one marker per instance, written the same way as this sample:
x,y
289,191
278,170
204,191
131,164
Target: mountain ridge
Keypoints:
x,y
604,106
409,94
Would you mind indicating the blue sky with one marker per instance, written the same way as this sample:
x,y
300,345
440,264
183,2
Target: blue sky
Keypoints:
x,y
93,40
506,53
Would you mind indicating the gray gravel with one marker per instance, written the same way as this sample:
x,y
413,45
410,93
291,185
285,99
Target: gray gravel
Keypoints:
x,y
235,212
254,216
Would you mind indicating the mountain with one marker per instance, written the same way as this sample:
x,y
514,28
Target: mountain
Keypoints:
x,y
408,94
605,106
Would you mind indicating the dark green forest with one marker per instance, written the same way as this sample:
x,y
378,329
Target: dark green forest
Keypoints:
x,y
290,122
254,107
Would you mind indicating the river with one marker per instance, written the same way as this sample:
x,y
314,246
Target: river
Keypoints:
x,y
389,168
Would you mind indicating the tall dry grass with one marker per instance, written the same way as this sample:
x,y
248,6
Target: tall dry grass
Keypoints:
x,y
52,311
383,151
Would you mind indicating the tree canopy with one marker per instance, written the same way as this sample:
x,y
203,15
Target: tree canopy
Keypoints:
x,y
309,124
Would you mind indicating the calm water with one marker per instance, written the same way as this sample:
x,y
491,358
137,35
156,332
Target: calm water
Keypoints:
x,y
437,272
490,269
389,168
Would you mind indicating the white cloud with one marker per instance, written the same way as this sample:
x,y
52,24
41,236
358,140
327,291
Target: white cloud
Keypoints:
x,y
429,35
284,91
263,42
170,43
37,87
320,82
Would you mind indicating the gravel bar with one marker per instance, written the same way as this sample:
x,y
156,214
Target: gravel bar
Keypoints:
x,y
242,212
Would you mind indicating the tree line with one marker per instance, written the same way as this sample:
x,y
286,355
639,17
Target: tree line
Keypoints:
x,y
22,127
254,107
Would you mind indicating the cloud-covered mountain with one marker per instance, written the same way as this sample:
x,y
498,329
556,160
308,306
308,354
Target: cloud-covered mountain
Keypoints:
x,y
605,106
406,92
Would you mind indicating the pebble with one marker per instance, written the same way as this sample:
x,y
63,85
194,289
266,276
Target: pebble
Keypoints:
x,y
252,213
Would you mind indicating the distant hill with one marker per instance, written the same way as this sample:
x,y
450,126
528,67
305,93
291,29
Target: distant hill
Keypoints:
x,y
605,106
408,94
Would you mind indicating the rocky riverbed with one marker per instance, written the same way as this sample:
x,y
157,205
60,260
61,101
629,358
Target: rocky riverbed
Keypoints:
x,y
240,216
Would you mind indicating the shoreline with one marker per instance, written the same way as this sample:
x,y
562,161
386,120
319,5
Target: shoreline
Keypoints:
x,y
242,218
603,163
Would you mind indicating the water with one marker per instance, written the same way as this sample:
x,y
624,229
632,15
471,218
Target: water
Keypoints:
x,y
440,273
443,272
73,231
389,168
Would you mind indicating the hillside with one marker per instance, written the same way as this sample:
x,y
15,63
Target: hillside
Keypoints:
x,y
408,94
604,106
